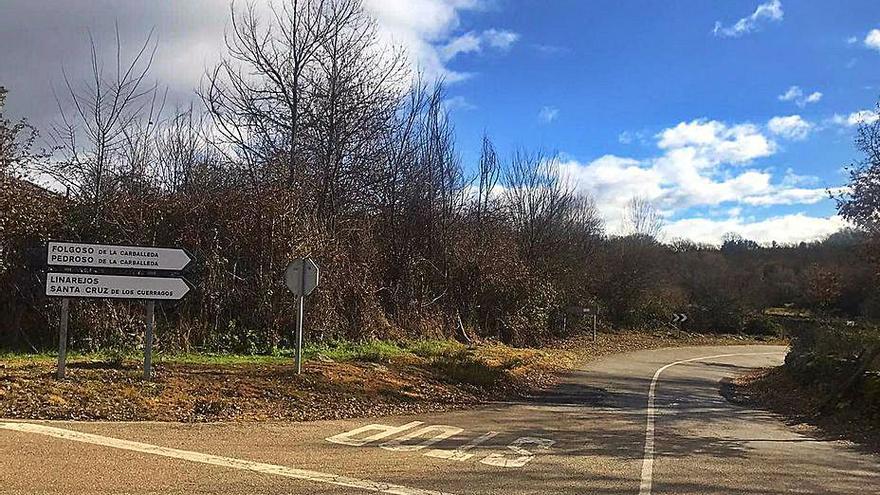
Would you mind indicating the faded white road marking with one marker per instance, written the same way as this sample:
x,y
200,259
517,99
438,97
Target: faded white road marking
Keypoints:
x,y
435,434
648,461
384,431
462,453
523,455
214,460
417,440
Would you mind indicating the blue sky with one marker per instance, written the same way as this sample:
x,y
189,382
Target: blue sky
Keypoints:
x,y
729,115
600,83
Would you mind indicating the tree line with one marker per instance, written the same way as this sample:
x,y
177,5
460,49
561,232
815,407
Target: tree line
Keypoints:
x,y
312,137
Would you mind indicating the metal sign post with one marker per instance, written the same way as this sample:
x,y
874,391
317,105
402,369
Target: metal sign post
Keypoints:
x,y
143,261
595,323
580,311
148,344
301,277
62,337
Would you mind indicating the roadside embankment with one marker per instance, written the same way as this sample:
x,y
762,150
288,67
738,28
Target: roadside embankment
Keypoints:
x,y
829,384
339,381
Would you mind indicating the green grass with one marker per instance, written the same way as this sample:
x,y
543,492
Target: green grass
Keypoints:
x,y
376,351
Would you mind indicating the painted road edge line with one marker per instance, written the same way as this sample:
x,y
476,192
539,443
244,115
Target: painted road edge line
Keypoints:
x,y
215,460
646,484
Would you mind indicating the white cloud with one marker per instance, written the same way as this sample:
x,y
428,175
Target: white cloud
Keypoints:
x,y
426,29
792,127
548,114
796,94
474,43
783,229
629,137
713,142
770,11
500,39
872,40
699,166
856,118
788,196
852,40
466,43
456,103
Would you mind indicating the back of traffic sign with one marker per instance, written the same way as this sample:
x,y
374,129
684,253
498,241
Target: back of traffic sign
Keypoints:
x,y
301,276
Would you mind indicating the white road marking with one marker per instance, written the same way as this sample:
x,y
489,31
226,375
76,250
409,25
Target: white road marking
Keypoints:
x,y
384,431
648,461
523,455
214,460
436,432
462,453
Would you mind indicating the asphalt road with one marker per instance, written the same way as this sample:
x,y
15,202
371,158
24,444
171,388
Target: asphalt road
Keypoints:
x,y
648,422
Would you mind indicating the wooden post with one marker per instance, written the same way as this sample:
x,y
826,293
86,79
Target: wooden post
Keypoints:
x,y
62,338
148,344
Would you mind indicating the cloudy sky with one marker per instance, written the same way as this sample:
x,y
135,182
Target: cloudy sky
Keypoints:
x,y
731,116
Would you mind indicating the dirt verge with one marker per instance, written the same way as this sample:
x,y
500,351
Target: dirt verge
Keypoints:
x,y
776,390
451,378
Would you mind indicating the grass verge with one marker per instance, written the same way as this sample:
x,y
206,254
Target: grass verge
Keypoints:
x,y
340,380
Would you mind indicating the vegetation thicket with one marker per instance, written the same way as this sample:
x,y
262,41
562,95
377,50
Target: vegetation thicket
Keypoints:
x,y
313,139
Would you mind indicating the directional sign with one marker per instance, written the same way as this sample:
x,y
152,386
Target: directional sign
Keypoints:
x,y
679,317
577,310
118,257
115,287
301,276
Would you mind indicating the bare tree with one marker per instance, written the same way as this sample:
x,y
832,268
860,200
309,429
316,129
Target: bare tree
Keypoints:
x,y
183,152
353,96
642,219
255,96
16,141
98,119
537,200
488,176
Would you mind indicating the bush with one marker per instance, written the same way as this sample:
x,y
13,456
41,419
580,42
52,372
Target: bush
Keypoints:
x,y
762,326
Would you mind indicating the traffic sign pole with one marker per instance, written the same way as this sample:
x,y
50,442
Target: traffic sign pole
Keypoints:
x,y
299,335
62,338
148,344
594,327
301,277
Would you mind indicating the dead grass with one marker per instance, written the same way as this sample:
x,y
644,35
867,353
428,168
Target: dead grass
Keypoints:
x,y
776,390
341,381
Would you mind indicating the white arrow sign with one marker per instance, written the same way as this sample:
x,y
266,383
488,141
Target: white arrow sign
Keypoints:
x,y
679,317
119,257
115,287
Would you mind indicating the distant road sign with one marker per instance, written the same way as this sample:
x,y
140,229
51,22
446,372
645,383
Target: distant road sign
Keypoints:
x,y
577,310
301,276
115,287
118,257
679,317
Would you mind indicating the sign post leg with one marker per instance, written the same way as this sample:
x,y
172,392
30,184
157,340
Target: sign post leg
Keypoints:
x,y
62,338
299,335
594,327
148,345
